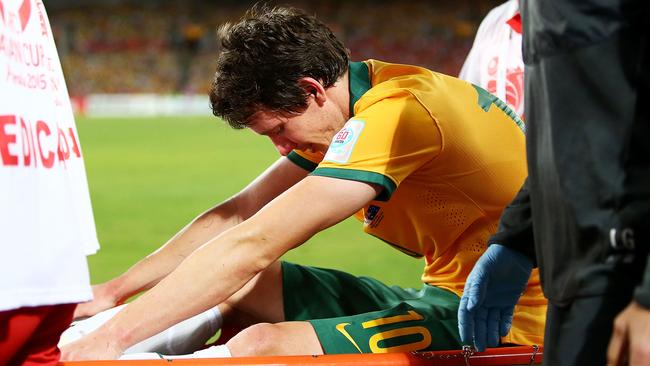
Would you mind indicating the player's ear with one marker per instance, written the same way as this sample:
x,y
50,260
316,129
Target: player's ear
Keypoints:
x,y
313,88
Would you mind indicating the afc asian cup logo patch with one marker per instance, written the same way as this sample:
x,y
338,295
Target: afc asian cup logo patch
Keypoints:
x,y
373,216
343,142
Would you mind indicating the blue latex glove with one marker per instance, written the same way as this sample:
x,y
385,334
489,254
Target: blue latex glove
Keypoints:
x,y
494,286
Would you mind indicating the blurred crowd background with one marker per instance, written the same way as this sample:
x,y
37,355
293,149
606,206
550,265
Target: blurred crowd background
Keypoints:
x,y
168,47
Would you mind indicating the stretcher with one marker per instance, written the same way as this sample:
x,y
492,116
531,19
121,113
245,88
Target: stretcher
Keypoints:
x,y
502,356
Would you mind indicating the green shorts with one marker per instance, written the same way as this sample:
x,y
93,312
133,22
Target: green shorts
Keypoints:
x,y
362,315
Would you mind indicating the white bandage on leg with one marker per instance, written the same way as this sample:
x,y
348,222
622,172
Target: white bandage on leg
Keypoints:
x,y
182,338
80,328
220,351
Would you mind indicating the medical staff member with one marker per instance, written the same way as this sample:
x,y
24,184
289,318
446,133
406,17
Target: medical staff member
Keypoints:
x,y
46,221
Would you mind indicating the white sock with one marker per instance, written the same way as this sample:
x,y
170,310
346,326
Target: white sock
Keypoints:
x,y
220,351
182,338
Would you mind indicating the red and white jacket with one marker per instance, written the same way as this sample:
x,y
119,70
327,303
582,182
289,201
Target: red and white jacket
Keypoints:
x,y
495,61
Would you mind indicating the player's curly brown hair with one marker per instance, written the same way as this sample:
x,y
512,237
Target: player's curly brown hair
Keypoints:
x,y
263,56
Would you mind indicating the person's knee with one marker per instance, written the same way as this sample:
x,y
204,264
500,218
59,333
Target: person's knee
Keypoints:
x,y
262,339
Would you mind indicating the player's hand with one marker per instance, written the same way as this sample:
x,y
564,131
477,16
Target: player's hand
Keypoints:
x,y
491,291
630,344
94,346
102,299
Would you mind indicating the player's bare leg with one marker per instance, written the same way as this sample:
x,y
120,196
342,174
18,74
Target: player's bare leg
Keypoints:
x,y
285,338
259,306
260,300
262,339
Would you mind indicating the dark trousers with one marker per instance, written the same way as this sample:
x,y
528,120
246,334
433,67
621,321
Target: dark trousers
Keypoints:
x,y
578,334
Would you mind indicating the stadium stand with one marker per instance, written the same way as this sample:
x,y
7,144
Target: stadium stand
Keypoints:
x,y
167,47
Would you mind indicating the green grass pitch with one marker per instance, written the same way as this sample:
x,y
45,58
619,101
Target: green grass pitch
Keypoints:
x,y
148,177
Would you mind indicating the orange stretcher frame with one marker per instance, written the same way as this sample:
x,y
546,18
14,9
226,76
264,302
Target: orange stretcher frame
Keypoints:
x,y
503,356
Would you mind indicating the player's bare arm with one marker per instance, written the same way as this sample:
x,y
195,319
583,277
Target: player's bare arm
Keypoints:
x,y
151,269
224,264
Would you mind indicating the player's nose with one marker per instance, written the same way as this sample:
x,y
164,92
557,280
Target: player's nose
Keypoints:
x,y
283,145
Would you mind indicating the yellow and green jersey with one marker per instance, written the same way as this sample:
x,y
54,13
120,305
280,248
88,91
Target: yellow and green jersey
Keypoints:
x,y
449,156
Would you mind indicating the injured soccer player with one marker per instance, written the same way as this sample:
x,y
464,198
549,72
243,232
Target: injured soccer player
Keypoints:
x,y
427,162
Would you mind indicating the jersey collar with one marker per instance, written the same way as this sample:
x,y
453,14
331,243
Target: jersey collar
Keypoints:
x,y
359,82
